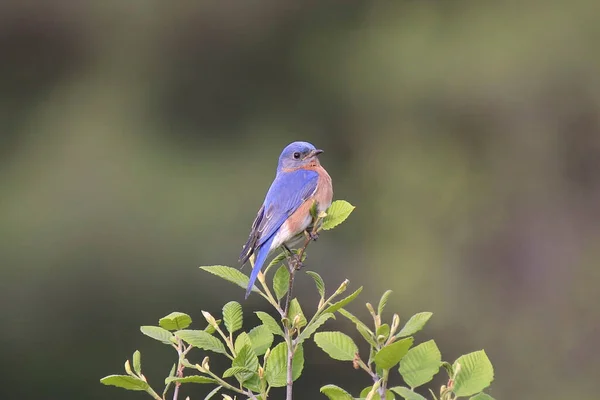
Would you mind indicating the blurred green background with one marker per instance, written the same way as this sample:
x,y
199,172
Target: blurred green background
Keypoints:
x,y
139,138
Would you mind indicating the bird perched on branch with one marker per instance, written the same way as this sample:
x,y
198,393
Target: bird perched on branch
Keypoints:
x,y
300,183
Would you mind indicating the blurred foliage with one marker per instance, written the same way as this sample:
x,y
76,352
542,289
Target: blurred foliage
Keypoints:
x,y
138,140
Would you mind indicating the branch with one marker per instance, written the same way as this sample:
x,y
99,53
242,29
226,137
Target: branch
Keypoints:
x,y
294,264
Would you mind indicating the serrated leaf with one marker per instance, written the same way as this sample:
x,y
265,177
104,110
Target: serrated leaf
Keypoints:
x,y
125,382
233,316
281,282
355,319
270,323
279,258
190,379
407,394
201,340
137,362
383,330
366,334
157,333
261,338
235,370
276,368
312,328
211,329
414,324
391,354
247,359
212,393
475,374
175,321
335,393
337,345
383,301
344,302
296,310
230,274
420,364
318,282
242,340
388,394
482,396
336,214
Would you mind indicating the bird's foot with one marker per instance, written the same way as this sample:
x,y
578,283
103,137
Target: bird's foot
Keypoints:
x,y
312,235
296,262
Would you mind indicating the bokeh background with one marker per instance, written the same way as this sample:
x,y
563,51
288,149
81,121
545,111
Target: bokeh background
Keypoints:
x,y
139,138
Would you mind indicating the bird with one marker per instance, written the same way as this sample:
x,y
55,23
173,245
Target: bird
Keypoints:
x,y
300,183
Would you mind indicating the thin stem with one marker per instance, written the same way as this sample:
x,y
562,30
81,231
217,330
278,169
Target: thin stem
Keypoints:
x,y
152,393
383,386
180,367
269,296
227,341
228,386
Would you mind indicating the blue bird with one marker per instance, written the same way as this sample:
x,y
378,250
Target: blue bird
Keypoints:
x,y
300,182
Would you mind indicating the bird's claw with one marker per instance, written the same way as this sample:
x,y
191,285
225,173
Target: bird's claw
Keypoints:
x,y
296,262
312,235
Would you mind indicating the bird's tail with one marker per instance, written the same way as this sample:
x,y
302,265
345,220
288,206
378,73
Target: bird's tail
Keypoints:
x,y
261,256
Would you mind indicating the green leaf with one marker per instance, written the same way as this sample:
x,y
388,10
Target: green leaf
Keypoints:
x,y
335,393
247,359
365,392
125,382
383,301
157,333
212,393
312,328
270,323
296,310
475,374
230,274
336,214
190,379
414,324
482,396
279,258
276,371
281,282
175,321
261,338
338,345
357,321
201,340
318,282
391,354
211,329
420,364
407,394
383,330
343,303
366,334
137,362
233,316
242,340
235,370
168,385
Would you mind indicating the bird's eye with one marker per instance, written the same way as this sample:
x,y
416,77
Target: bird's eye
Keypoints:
x,y
296,155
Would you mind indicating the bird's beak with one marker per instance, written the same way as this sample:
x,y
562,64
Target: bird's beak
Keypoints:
x,y
315,153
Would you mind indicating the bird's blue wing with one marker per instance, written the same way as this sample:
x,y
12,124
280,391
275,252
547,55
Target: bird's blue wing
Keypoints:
x,y
287,192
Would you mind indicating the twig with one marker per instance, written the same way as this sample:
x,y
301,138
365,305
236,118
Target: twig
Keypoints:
x,y
292,266
180,367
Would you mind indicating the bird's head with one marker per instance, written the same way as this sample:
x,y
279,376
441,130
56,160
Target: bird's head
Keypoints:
x,y
298,155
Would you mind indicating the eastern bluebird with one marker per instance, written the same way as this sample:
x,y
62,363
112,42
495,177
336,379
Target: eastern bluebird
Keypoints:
x,y
299,183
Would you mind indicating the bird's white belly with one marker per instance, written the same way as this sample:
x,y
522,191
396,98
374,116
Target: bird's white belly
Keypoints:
x,y
285,235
